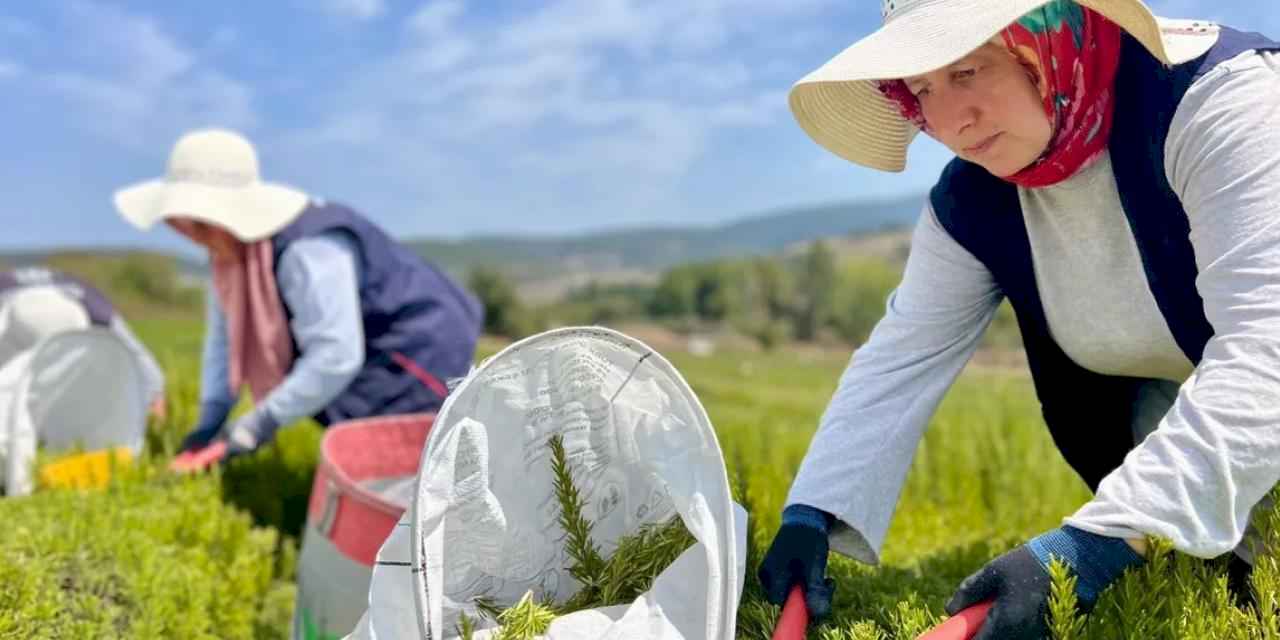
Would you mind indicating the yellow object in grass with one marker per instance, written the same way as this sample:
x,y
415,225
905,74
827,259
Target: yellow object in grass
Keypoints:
x,y
90,470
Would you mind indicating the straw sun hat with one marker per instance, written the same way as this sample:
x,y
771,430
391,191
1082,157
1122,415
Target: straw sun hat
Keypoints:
x,y
839,106
212,176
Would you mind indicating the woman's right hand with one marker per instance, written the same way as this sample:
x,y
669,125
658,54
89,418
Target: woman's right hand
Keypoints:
x,y
212,415
798,555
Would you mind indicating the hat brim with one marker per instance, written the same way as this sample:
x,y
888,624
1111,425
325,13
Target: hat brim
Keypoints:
x,y
250,213
839,106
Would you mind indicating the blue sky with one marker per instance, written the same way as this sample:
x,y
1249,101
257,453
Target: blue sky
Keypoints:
x,y
442,118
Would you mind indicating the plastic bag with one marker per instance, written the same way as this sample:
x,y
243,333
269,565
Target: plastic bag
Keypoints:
x,y
484,523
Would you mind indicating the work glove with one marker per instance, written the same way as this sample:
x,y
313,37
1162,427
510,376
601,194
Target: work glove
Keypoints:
x,y
250,431
212,415
245,435
1018,581
798,554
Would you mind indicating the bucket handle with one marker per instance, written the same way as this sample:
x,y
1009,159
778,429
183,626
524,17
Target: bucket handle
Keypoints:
x,y
330,513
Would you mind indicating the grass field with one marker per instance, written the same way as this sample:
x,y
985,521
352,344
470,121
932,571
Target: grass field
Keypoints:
x,y
214,557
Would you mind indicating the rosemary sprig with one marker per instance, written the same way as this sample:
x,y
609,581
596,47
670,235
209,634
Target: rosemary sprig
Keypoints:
x,y
588,565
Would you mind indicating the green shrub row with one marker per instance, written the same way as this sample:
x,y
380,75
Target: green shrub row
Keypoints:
x,y
151,556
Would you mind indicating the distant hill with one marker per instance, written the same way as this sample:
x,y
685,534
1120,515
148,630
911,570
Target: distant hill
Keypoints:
x,y
652,249
139,282
548,266
186,267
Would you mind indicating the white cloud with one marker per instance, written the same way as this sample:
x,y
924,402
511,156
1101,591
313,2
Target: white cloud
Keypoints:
x,y
642,27
355,9
577,24
138,85
133,45
9,69
713,77
435,18
589,103
116,102
438,56
357,128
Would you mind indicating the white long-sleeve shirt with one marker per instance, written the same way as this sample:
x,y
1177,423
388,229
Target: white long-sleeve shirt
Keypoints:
x,y
1215,453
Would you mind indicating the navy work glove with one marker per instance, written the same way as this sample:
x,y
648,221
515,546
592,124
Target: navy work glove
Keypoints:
x,y
799,555
1018,581
212,415
250,431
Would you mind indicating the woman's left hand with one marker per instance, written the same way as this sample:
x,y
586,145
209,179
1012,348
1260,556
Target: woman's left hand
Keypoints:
x,y
250,431
1018,581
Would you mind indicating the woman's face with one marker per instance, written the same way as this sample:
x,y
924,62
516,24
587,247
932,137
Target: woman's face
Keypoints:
x,y
220,243
987,109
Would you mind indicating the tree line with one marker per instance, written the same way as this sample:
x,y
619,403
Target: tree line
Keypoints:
x,y
811,296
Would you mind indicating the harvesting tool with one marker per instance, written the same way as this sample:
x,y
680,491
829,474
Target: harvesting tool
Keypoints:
x,y
962,626
794,618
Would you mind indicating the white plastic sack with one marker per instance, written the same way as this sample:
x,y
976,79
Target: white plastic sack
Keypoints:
x,y
78,388
484,521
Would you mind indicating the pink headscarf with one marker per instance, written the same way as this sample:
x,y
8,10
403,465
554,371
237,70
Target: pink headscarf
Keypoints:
x,y
258,340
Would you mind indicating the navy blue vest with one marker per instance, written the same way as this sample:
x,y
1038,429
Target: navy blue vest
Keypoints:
x,y
417,321
1090,414
96,305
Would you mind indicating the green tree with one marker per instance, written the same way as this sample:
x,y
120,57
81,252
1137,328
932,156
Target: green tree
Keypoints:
x,y
774,285
713,295
815,291
860,297
676,294
503,311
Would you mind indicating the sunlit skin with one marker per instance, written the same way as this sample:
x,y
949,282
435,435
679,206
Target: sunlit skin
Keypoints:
x,y
220,243
986,108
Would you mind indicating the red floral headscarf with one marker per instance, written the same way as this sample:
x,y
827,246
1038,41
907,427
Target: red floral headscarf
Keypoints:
x,y
1072,53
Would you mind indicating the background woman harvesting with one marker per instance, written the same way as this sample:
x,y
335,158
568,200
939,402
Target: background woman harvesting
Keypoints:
x,y
311,306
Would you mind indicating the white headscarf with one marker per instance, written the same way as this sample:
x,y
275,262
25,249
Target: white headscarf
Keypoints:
x,y
31,314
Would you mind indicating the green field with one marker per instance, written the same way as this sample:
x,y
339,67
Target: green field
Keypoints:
x,y
213,557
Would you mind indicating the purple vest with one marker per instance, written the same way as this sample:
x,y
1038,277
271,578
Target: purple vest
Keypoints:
x,y
420,327
95,304
1089,414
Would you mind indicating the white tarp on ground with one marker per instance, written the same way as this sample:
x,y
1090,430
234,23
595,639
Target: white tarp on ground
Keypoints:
x,y
79,388
484,521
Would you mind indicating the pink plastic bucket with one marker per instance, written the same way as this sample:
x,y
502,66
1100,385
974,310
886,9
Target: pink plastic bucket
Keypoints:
x,y
351,513
343,507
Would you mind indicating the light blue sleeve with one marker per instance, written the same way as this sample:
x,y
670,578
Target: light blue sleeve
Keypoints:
x,y
215,386
319,280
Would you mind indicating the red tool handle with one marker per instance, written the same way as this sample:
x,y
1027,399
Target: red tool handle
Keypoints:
x,y
794,618
199,459
961,626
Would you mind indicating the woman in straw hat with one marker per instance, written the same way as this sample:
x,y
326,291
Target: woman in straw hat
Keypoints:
x,y
318,311
1118,179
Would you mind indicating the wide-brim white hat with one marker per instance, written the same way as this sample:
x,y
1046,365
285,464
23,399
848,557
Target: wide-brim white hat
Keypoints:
x,y
841,108
212,176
